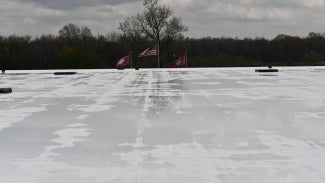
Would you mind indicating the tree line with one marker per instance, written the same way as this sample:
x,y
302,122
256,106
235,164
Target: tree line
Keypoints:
x,y
81,49
76,47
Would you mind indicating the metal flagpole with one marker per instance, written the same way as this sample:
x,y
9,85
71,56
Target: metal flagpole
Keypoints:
x,y
158,49
131,60
186,58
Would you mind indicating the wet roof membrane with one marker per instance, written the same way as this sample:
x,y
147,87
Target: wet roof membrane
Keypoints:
x,y
163,126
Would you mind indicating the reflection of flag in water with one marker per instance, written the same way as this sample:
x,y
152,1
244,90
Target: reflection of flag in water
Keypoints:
x,y
181,62
149,52
123,62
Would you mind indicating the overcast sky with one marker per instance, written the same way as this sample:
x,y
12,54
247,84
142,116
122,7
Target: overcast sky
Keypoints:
x,y
215,18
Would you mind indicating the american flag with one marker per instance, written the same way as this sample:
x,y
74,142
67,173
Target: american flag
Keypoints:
x,y
149,52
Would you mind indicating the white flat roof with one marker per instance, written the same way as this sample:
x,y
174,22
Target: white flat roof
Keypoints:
x,y
163,126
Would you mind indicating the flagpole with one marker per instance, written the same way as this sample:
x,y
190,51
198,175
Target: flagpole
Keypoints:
x,y
131,60
158,55
186,58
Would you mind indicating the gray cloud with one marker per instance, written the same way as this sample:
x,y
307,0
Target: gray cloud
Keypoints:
x,y
72,4
235,18
250,18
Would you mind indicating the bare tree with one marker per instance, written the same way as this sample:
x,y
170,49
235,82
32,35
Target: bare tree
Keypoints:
x,y
156,23
86,33
70,32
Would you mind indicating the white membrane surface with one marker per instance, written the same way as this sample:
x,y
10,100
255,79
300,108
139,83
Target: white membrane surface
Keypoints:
x,y
163,126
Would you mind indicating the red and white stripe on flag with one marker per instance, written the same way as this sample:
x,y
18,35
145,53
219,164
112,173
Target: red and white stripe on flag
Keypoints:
x,y
149,52
123,62
181,62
